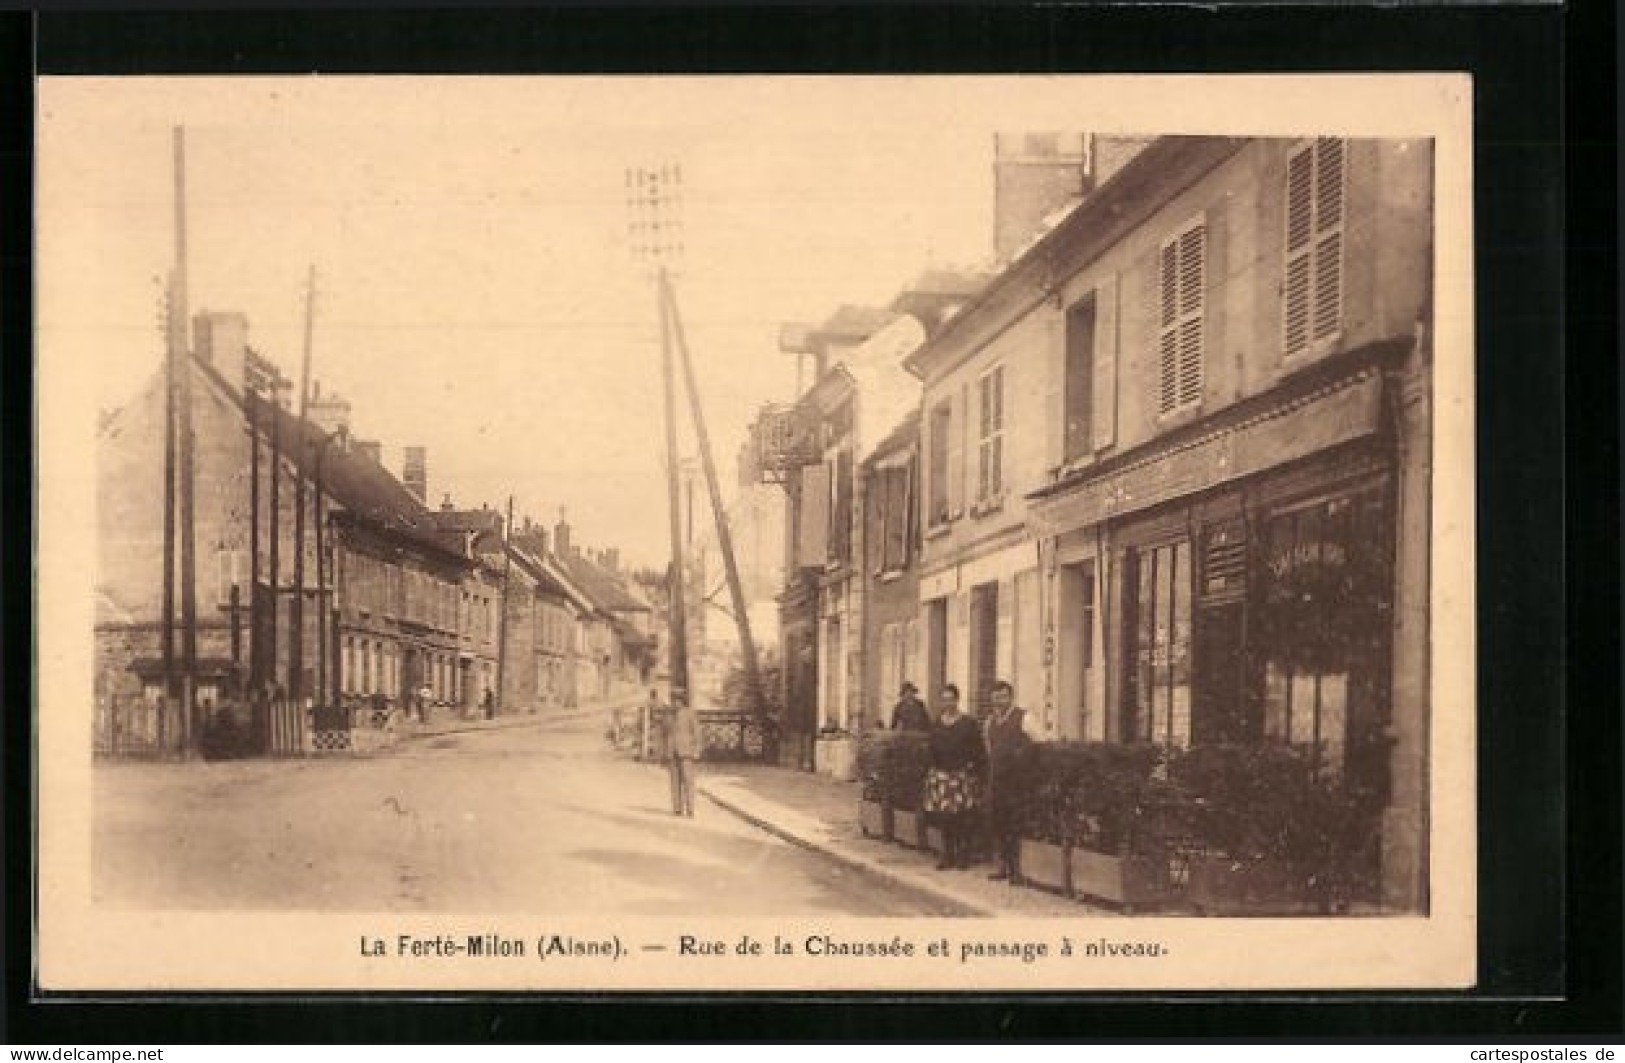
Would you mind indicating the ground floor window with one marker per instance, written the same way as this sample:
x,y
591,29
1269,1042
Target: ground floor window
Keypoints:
x,y
1325,618
1158,644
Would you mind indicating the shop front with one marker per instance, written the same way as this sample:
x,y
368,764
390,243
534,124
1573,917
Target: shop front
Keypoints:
x,y
1245,579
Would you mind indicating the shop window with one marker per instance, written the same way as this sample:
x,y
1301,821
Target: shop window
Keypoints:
x,y
1326,628
1159,645
1181,287
990,435
1312,296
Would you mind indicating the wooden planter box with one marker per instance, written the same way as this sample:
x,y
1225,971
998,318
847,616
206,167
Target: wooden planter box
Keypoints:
x,y
1222,886
876,819
908,828
1045,864
1129,882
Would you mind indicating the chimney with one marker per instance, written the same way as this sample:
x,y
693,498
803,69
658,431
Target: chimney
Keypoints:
x,y
221,339
1034,174
330,413
561,536
415,472
445,504
370,449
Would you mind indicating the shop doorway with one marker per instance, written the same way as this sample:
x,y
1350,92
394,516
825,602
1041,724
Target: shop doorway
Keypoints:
x,y
984,645
936,649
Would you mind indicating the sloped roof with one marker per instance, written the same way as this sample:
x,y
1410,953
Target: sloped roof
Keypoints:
x,y
906,432
362,486
853,324
606,590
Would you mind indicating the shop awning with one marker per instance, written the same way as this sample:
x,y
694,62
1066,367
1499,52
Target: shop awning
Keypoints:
x,y
1297,427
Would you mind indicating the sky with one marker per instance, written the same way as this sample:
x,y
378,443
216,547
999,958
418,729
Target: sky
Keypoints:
x,y
475,290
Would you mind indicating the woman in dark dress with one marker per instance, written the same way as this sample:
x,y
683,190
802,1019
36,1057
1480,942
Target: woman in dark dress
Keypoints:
x,y
953,785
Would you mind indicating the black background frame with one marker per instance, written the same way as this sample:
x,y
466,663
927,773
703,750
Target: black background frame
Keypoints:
x,y
1548,462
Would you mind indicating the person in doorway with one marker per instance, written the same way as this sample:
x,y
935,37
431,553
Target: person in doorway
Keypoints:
x,y
1009,760
953,784
489,703
425,699
910,714
684,749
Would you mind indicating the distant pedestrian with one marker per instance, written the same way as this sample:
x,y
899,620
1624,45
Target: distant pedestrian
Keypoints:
x,y
910,713
489,704
683,744
953,785
651,716
1009,758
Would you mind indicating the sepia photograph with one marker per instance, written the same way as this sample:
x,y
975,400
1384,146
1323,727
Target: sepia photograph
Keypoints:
x,y
755,532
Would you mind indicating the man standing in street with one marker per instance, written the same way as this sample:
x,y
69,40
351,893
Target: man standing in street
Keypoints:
x,y
683,751
1009,759
910,713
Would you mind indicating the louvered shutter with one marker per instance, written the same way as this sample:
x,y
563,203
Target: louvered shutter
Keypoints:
x,y
1192,281
1328,238
1182,278
1168,331
1312,291
1105,384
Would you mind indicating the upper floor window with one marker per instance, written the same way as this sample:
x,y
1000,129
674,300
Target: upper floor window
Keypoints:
x,y
1181,282
893,488
990,434
1080,378
1312,297
941,436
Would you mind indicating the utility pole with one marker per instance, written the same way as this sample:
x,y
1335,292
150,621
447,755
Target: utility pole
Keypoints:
x,y
296,607
656,237
502,620
747,645
171,373
188,525
256,598
319,518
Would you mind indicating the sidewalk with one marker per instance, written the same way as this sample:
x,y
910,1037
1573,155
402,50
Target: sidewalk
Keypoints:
x,y
821,814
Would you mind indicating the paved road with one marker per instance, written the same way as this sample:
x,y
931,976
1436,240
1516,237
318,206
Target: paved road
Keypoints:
x,y
538,818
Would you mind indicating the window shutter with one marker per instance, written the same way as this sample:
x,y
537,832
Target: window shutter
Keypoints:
x,y
911,527
1179,342
1192,281
956,451
812,536
1105,384
1328,237
1312,290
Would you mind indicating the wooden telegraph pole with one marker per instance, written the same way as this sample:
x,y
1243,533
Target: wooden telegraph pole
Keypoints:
x,y
171,372
747,645
657,232
656,238
188,525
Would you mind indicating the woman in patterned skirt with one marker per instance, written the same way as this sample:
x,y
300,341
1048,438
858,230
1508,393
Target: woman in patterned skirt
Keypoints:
x,y
953,785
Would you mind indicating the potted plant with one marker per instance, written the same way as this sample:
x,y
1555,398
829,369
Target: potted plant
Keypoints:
x,y
1277,837
1116,827
905,764
1045,812
875,812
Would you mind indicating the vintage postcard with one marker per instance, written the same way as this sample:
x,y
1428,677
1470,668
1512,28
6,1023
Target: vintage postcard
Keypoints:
x,y
804,533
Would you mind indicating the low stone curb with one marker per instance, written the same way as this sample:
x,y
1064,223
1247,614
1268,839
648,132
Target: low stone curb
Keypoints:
x,y
805,831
